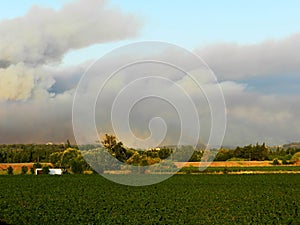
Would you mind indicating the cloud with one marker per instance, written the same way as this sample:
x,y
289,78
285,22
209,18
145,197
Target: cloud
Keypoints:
x,y
44,35
19,82
30,43
36,93
256,117
232,61
36,121
259,82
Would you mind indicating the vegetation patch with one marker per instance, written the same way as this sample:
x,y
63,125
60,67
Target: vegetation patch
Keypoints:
x,y
182,199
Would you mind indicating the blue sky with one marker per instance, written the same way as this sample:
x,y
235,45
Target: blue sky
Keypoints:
x,y
252,46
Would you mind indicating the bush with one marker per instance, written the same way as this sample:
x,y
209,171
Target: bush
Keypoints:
x,y
225,170
24,169
10,170
46,170
32,170
276,162
77,166
296,157
37,165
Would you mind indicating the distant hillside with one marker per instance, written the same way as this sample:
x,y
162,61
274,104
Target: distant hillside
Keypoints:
x,y
292,145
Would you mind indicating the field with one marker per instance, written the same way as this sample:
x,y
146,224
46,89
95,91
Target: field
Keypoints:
x,y
193,167
17,167
182,199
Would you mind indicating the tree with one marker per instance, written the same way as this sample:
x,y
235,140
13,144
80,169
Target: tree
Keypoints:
x,y
296,157
46,170
109,141
135,159
68,145
10,170
77,165
37,165
70,159
100,159
275,162
196,157
24,169
164,153
114,147
224,155
67,156
55,158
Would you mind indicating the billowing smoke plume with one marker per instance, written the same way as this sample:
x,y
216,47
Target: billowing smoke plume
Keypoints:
x,y
35,98
234,61
20,82
261,88
44,35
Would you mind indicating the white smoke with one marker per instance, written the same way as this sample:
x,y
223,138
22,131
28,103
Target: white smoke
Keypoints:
x,y
44,35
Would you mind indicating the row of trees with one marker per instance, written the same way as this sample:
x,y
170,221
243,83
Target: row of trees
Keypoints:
x,y
25,153
249,152
69,157
25,169
256,152
69,160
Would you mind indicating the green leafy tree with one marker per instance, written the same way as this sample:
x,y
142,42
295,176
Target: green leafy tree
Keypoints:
x,y
77,165
10,170
55,158
24,170
37,165
71,159
100,159
135,159
32,170
196,157
223,155
296,157
164,153
114,147
46,170
67,156
68,144
275,162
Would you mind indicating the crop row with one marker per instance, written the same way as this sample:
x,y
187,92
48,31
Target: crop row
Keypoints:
x,y
182,199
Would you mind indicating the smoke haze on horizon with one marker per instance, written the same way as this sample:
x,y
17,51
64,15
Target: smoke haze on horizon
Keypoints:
x,y
260,81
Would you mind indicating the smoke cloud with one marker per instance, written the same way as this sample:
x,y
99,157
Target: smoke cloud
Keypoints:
x,y
264,110
231,61
44,35
35,92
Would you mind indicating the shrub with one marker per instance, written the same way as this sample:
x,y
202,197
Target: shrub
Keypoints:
x,y
32,170
77,166
275,162
296,157
10,170
46,170
37,165
225,170
24,169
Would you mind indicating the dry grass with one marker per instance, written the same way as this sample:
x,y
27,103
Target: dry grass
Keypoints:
x,y
226,164
17,167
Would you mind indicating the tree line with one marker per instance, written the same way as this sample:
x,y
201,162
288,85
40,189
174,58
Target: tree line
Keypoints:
x,y
59,154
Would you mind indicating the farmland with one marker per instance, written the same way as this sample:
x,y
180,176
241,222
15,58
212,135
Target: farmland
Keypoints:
x,y
182,199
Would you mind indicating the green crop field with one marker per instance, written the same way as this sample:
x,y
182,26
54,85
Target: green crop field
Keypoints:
x,y
182,199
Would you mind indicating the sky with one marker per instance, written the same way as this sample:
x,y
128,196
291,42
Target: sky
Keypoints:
x,y
251,46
